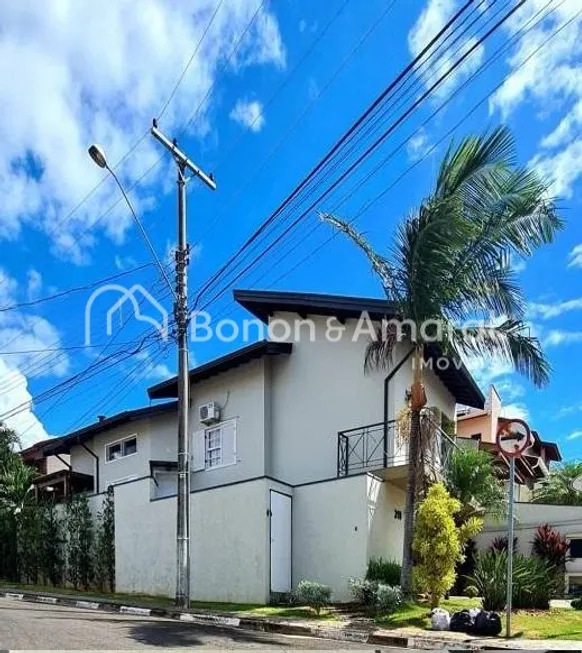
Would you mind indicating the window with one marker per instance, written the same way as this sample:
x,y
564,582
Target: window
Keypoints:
x,y
121,449
576,548
214,447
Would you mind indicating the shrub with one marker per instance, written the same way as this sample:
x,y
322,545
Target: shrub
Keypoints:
x,y
534,581
384,571
364,591
489,578
500,544
550,545
388,598
438,542
315,595
471,592
577,604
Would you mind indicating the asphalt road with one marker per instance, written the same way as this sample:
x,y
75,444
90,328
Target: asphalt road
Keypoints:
x,y
34,626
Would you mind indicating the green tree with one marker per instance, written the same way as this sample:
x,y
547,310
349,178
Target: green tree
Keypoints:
x,y
438,542
558,486
105,545
51,543
471,477
451,263
79,542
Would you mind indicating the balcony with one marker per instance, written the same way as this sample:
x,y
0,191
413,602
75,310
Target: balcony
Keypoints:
x,y
381,449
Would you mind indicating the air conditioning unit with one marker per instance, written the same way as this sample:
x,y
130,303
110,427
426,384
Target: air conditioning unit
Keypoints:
x,y
209,413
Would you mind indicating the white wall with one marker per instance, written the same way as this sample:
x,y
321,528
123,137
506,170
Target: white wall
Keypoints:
x,y
242,395
229,542
321,389
330,533
566,519
386,532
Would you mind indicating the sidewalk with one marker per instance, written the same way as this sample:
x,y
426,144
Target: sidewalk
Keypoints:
x,y
361,630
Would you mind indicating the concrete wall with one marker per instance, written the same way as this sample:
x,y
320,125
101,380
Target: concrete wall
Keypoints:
x,y
321,389
566,519
242,394
338,525
385,529
229,542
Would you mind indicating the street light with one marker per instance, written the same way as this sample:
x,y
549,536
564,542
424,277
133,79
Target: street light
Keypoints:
x,y
98,155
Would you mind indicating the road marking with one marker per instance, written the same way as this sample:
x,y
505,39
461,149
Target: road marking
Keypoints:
x,y
88,605
128,609
46,599
14,597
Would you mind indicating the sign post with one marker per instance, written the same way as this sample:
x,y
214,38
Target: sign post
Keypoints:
x,y
513,438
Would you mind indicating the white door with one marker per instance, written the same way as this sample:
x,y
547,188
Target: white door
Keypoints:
x,y
280,542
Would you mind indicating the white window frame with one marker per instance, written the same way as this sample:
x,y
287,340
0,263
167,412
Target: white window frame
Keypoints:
x,y
574,536
214,427
121,440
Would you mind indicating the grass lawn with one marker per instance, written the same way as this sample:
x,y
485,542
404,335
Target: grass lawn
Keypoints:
x,y
558,623
147,600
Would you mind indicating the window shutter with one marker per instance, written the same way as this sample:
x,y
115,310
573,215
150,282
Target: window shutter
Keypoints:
x,y
229,443
198,451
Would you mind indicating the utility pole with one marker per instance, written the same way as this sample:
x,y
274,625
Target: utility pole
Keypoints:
x,y
183,165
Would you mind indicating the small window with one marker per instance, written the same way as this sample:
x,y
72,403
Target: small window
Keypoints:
x,y
213,447
576,548
121,449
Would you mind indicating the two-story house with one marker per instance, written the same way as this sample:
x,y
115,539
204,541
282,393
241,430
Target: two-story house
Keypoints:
x,y
298,464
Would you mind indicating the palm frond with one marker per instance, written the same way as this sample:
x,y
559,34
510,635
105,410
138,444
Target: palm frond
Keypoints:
x,y
509,342
380,265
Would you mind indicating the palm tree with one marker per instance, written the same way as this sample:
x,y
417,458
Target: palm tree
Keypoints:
x,y
558,486
471,478
451,263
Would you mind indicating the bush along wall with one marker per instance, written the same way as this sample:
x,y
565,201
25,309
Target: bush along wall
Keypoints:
x,y
59,544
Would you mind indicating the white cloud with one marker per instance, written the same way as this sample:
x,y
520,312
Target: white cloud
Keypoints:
x,y
83,72
549,80
152,370
302,25
34,286
429,23
515,411
574,435
547,311
124,262
509,390
21,335
248,114
575,257
419,145
557,337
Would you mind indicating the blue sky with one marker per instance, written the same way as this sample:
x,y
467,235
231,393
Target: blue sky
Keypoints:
x,y
302,74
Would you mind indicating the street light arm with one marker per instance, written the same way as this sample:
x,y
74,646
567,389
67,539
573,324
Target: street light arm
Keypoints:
x,y
144,234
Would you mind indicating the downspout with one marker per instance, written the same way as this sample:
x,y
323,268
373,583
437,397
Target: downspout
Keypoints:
x,y
386,383
96,457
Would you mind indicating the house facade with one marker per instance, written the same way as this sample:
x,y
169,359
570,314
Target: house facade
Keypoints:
x,y
298,462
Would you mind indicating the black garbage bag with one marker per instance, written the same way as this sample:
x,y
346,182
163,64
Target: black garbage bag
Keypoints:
x,y
461,622
486,624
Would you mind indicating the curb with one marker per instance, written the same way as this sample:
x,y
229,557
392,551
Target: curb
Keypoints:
x,y
379,637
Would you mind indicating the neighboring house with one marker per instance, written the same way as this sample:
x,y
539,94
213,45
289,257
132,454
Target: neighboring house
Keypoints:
x,y
298,464
479,428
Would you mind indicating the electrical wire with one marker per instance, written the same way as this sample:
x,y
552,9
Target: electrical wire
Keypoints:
x,y
189,62
372,147
331,153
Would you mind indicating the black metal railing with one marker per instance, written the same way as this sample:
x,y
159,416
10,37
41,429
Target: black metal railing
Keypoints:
x,y
376,446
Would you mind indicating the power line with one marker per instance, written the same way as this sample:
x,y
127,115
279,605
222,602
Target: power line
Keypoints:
x,y
69,291
331,153
365,207
190,61
371,148
302,113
